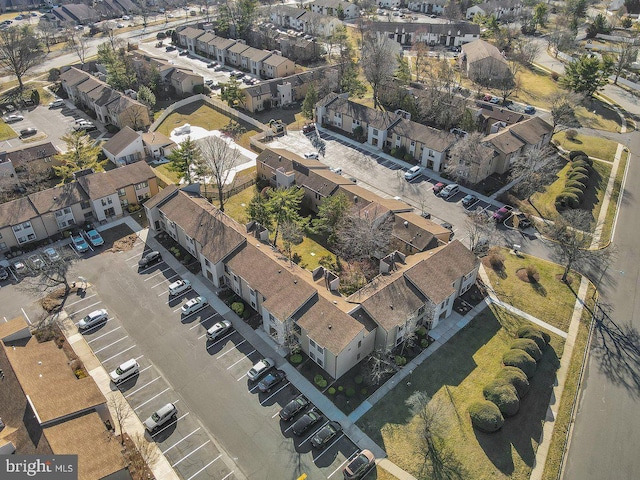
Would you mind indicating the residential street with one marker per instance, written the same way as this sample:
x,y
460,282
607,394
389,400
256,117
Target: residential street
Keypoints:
x,y
606,432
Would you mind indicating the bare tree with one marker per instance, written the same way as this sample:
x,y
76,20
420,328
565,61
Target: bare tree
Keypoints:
x,y
481,227
625,56
292,234
526,50
20,51
78,43
378,366
120,410
362,235
48,32
469,159
148,451
379,61
421,59
527,170
563,113
220,157
439,461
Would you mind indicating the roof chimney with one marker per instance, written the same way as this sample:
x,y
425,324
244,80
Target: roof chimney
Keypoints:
x,y
406,224
329,326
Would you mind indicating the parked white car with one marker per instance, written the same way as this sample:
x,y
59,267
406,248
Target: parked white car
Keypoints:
x,y
160,417
194,305
219,329
179,287
94,318
413,172
125,371
450,190
260,368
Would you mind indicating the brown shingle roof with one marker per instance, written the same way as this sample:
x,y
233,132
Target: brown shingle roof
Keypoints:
x,y
504,141
408,229
156,138
327,325
23,155
352,191
121,140
479,49
275,60
87,437
100,184
45,376
285,292
394,303
532,130
53,199
161,196
191,32
89,84
204,223
222,43
12,326
281,158
375,118
16,211
73,76
238,48
434,275
432,138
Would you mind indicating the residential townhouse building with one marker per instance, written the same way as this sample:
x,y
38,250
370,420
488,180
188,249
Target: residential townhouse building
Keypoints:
x,y
512,141
389,3
498,9
427,146
124,147
309,22
26,163
336,332
427,6
93,197
187,37
109,105
202,43
287,16
181,80
441,34
252,60
335,8
157,145
277,66
220,46
484,63
112,191
234,53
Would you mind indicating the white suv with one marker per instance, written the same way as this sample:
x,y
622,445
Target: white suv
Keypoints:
x,y
218,329
160,417
194,305
413,172
125,371
260,368
181,286
450,190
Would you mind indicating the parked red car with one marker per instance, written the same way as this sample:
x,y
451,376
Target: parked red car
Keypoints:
x,y
437,188
309,128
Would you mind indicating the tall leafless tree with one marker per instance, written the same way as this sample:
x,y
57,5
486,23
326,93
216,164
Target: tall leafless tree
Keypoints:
x,y
20,51
120,410
627,54
220,157
78,43
563,110
379,62
528,171
378,366
362,235
468,158
480,227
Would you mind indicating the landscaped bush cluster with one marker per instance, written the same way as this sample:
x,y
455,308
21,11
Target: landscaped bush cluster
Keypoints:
x,y
577,181
511,384
320,381
238,308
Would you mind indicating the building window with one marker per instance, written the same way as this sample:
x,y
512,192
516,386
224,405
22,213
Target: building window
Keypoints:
x,y
26,225
17,228
84,205
106,202
122,192
207,262
296,329
59,213
358,357
375,132
140,186
226,269
3,245
31,236
312,343
359,343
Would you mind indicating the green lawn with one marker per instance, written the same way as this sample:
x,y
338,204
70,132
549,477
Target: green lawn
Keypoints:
x,y
454,377
544,202
563,417
597,147
169,174
201,115
310,253
236,206
6,132
550,300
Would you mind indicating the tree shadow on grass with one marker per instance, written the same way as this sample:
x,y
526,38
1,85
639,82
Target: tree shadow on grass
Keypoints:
x,y
523,431
617,348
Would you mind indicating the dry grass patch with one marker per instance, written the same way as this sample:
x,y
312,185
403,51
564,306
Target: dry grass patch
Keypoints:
x,y
453,377
124,244
549,299
596,147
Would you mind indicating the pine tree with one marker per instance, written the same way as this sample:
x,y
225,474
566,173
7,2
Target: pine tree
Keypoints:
x,y
81,154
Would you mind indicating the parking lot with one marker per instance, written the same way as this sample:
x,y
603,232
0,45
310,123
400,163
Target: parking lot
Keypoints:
x,y
225,427
51,125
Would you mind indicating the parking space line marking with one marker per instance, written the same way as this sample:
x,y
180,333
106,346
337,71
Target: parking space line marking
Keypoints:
x,y
78,301
343,464
159,272
138,358
26,316
194,451
276,414
107,346
114,356
311,434
100,336
327,448
145,368
254,388
202,321
143,386
241,377
177,297
131,258
166,280
243,358
230,350
84,308
152,398
204,467
5,318
275,393
228,475
179,441
163,294
94,327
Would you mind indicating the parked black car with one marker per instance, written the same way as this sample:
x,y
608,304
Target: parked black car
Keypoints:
x,y
293,407
305,422
149,259
271,380
327,433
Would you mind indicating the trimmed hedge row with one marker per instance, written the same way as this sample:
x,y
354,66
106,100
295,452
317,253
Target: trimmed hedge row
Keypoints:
x,y
577,181
503,394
